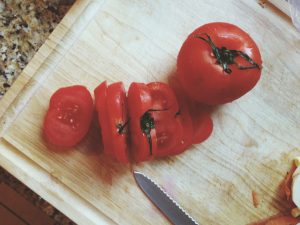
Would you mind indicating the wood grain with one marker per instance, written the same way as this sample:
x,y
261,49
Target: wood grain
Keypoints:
x,y
253,141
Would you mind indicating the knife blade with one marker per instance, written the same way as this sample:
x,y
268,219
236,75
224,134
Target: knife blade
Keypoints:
x,y
163,201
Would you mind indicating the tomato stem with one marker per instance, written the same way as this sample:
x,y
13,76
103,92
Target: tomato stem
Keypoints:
x,y
121,127
147,124
226,57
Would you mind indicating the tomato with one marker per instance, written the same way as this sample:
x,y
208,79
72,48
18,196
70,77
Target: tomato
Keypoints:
x,y
168,126
142,132
218,63
69,116
184,115
195,117
202,122
100,102
116,104
111,104
163,98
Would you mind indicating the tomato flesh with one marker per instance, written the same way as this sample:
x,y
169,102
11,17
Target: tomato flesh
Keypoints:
x,y
69,116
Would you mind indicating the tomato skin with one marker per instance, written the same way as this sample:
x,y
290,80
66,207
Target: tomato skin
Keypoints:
x,y
185,116
168,126
69,116
196,117
202,122
202,78
111,106
100,102
163,98
116,105
169,134
139,102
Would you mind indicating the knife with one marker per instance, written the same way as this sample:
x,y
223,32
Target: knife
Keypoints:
x,y
163,201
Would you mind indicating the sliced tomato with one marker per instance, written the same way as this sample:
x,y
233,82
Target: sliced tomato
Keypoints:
x,y
100,102
111,106
163,98
143,141
69,116
169,131
116,104
196,117
202,122
184,114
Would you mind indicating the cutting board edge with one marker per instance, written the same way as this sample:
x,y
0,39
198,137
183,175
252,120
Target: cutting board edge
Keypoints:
x,y
33,175
0,135
14,161
56,46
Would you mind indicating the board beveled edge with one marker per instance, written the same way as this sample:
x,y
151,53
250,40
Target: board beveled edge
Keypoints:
x,y
16,98
46,59
49,187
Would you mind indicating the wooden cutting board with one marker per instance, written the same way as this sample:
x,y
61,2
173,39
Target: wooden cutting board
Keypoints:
x,y
252,145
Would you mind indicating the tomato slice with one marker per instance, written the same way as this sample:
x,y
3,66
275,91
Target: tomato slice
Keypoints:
x,y
196,117
143,141
111,106
169,131
69,116
184,114
116,104
100,102
163,98
202,122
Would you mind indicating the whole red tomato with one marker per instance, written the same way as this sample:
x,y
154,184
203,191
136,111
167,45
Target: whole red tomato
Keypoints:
x,y
218,63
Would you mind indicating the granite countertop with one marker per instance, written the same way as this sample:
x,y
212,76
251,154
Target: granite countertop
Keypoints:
x,y
24,27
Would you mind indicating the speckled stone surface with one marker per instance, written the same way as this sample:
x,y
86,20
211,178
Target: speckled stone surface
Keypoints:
x,y
24,27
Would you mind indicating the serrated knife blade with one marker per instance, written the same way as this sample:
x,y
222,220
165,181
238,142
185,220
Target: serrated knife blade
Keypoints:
x,y
163,201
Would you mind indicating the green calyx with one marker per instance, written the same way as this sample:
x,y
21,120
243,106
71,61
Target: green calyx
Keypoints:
x,y
121,127
226,57
147,124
